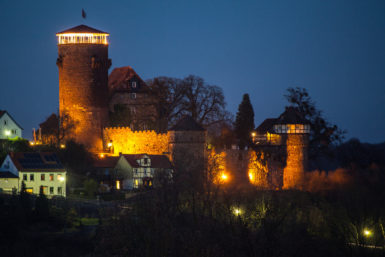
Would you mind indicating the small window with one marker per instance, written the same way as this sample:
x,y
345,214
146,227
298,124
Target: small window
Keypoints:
x,y
51,190
31,177
59,190
29,190
25,177
133,95
42,177
50,177
136,171
133,84
145,160
5,122
45,189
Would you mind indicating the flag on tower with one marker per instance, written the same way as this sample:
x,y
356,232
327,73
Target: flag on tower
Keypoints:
x,y
84,15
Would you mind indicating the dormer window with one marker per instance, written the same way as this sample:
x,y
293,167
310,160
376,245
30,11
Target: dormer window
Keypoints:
x,y
133,84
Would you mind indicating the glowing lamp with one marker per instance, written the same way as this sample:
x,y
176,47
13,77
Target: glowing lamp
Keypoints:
x,y
253,134
101,155
7,132
237,211
62,146
31,143
109,144
224,177
367,232
250,176
61,178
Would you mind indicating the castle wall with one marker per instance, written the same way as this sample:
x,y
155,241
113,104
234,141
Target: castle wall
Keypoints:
x,y
126,141
83,90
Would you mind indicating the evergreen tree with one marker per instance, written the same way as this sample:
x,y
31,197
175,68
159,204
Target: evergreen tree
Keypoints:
x,y
244,122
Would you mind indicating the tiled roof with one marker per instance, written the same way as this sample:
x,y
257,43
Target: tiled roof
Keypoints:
x,y
7,174
160,161
265,126
82,29
106,162
292,116
32,161
187,123
120,78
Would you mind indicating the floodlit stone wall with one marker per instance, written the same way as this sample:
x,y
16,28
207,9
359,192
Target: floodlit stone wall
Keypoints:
x,y
83,90
296,161
126,141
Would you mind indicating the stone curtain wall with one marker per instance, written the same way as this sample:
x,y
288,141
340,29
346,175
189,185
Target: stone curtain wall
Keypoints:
x,y
126,141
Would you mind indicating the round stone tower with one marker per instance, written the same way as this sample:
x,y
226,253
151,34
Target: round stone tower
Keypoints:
x,y
294,131
83,83
187,144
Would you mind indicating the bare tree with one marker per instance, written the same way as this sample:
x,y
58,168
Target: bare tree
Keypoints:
x,y
189,96
56,129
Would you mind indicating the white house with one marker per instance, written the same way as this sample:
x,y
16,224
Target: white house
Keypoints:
x,y
9,127
36,170
142,170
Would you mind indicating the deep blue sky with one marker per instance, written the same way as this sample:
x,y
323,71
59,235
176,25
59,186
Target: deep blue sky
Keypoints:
x,y
335,49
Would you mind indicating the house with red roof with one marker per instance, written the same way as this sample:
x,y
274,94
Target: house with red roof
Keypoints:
x,y
142,170
38,171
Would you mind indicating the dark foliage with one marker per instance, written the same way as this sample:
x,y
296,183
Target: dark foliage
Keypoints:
x,y
323,134
244,121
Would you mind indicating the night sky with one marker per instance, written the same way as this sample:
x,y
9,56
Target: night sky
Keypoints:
x,y
335,49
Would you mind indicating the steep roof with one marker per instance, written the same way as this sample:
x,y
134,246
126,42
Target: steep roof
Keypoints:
x,y
266,125
7,174
82,29
292,116
119,80
106,162
2,112
157,161
32,161
187,123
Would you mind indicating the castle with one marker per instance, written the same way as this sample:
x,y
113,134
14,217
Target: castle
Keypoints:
x,y
91,99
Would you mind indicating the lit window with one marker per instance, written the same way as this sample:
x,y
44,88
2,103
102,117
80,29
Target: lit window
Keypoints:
x,y
59,177
31,177
42,177
50,177
29,190
117,184
45,189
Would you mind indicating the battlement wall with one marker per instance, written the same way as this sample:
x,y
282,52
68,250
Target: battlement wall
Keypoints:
x,y
126,141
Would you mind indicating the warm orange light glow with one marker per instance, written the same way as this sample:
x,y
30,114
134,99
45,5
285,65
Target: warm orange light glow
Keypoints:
x,y
82,38
31,143
62,146
251,176
117,184
101,155
224,177
253,134
109,144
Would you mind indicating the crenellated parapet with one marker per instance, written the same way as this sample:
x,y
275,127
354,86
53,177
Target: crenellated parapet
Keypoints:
x,y
124,140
